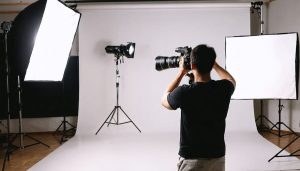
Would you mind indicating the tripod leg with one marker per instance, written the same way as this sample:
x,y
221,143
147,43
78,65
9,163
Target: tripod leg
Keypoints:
x,y
288,128
9,150
64,138
293,153
57,129
6,158
277,155
106,120
130,119
275,126
38,141
268,120
70,124
64,131
112,116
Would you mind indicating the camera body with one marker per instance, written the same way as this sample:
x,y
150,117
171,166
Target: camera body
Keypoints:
x,y
164,62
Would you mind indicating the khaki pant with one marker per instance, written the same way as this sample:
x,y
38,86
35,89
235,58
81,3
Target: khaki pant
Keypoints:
x,y
202,164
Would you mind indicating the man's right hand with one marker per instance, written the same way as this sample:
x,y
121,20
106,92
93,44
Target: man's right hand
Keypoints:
x,y
223,74
182,68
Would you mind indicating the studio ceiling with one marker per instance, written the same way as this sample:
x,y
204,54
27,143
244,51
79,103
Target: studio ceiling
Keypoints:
x,y
15,6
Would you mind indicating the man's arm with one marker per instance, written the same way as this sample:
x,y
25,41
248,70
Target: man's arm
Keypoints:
x,y
223,74
170,88
173,85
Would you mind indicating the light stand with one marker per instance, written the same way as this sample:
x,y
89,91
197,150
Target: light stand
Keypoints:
x,y
5,26
261,127
257,6
293,154
279,123
117,108
21,133
64,122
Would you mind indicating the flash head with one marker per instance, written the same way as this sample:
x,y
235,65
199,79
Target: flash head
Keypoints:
x,y
122,50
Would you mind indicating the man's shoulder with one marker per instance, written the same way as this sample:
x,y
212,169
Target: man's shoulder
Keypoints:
x,y
221,83
226,85
224,82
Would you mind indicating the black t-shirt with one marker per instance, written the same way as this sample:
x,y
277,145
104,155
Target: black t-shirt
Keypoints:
x,y
204,108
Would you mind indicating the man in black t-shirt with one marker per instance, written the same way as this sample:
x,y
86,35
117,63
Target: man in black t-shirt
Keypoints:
x,y
204,106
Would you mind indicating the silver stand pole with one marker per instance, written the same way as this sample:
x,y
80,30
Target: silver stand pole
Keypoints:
x,y
117,107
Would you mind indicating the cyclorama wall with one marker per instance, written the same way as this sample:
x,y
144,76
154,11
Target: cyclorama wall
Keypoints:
x,y
50,124
157,29
282,17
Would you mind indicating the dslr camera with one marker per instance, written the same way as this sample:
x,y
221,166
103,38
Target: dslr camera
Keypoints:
x,y
164,62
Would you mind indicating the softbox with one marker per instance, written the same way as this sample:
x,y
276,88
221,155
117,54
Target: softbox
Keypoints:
x,y
41,39
264,66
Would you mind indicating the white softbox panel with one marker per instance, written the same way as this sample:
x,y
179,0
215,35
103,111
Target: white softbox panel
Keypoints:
x,y
53,43
263,66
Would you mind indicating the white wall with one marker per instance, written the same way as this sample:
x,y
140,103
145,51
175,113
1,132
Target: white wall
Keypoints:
x,y
283,16
157,29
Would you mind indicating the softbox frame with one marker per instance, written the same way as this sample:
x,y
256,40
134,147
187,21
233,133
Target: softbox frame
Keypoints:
x,y
264,66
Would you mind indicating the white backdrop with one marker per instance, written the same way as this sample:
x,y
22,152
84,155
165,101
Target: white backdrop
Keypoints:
x,y
157,29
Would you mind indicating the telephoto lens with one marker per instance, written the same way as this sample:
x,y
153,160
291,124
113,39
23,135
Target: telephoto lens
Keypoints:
x,y
163,62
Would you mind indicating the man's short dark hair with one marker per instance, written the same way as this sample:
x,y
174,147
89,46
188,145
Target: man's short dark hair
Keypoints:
x,y
204,58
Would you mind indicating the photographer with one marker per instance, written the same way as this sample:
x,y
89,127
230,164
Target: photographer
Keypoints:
x,y
204,106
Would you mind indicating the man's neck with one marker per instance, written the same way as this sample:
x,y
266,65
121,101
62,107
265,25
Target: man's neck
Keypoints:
x,y
198,77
